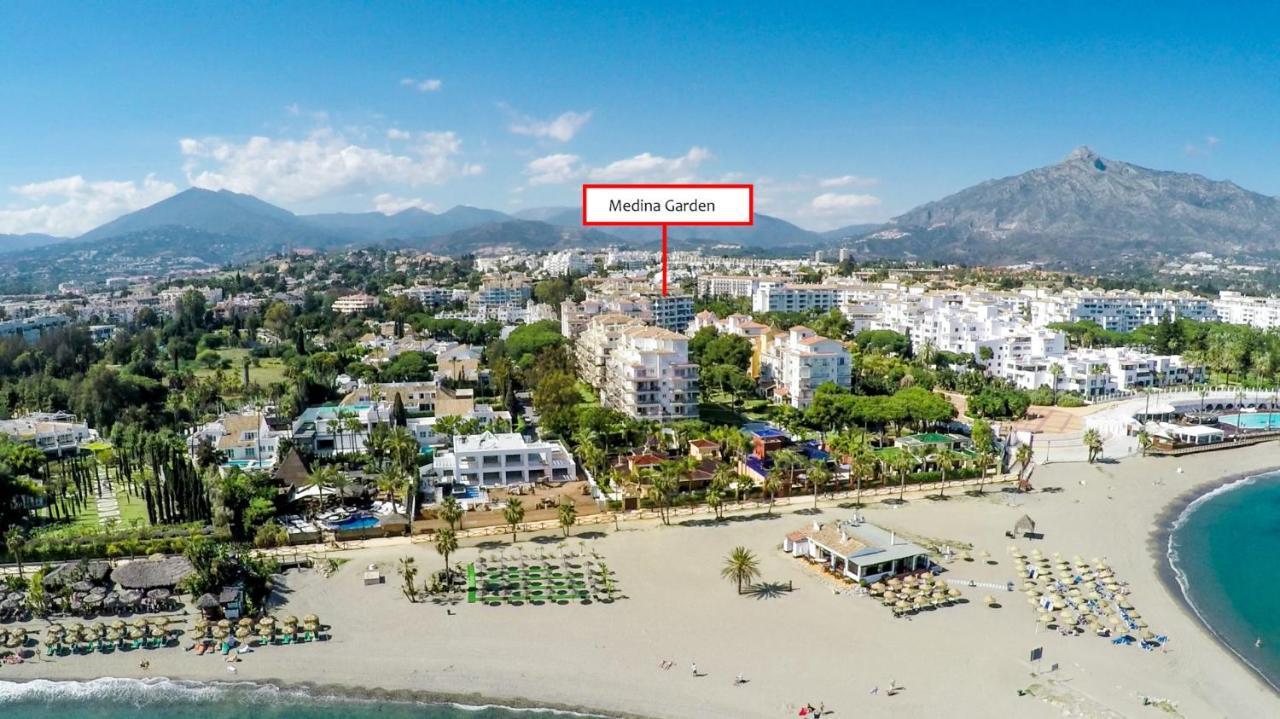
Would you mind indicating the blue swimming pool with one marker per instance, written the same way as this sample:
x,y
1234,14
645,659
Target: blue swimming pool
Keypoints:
x,y
1252,420
355,520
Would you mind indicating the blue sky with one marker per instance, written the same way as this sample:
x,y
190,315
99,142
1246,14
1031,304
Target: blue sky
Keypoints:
x,y
841,113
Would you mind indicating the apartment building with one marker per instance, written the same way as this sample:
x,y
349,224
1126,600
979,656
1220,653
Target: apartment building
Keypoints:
x,y
735,285
797,362
672,312
1094,372
1119,311
648,375
417,397
1238,309
596,343
495,460
742,325
247,440
569,262
54,433
794,298
355,304
500,293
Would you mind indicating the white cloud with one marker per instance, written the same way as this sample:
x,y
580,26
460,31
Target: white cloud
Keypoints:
x,y
848,181
293,109
647,166
424,85
322,164
553,169
561,168
562,128
389,204
834,202
396,133
1205,148
71,206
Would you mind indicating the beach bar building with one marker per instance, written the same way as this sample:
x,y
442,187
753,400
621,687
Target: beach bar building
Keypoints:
x,y
862,552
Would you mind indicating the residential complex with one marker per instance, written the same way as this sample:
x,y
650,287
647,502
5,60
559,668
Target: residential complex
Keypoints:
x,y
500,293
648,375
797,362
493,460
673,312
354,304
54,433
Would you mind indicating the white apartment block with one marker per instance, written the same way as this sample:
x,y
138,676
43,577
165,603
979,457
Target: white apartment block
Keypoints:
x,y
672,312
595,343
648,375
50,432
1119,311
1094,372
1238,309
734,285
495,460
568,262
353,304
797,362
794,298
499,294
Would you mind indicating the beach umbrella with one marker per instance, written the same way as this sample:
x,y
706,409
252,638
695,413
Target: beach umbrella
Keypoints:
x,y
290,620
1033,601
902,604
1140,624
1094,596
988,600
877,587
135,632
1124,604
1032,593
311,618
966,556
267,621
243,632
245,622
1035,552
1147,634
953,593
1117,621
1067,617
1059,604
1045,618
984,554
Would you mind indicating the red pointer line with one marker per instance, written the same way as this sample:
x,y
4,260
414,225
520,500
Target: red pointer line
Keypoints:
x,y
664,260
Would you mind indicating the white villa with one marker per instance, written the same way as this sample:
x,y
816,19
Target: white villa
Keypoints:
x,y
862,552
493,460
50,432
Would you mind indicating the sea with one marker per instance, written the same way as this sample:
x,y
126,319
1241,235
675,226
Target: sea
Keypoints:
x,y
157,697
1222,550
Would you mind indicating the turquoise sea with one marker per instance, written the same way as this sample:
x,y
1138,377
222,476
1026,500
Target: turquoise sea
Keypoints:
x,y
129,698
1222,550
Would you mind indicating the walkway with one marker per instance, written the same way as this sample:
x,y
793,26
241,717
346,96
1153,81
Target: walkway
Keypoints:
x,y
108,505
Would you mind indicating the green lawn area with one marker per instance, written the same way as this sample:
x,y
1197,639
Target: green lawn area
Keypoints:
x,y
270,369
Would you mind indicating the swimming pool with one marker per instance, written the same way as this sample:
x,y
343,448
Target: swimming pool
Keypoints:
x,y
355,520
1252,420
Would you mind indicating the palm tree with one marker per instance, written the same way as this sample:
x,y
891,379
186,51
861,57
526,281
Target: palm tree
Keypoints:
x,y
1055,371
771,484
947,461
1144,440
789,460
326,476
568,515
1093,442
741,567
862,465
724,476
393,482
451,512
1023,457
408,571
902,463
513,513
818,476
15,540
662,487
446,544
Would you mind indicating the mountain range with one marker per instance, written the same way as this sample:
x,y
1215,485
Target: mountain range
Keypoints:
x,y
1070,214
1084,210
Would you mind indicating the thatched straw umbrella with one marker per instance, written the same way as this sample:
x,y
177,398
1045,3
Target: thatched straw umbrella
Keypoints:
x,y
953,593
988,600
1045,618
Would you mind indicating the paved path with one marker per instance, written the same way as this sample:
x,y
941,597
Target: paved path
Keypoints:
x,y
108,505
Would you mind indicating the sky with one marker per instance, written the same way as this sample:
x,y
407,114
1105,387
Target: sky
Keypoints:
x,y
839,113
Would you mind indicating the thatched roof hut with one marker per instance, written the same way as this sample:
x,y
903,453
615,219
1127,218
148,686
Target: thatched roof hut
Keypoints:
x,y
152,573
292,471
207,602
1024,526
71,572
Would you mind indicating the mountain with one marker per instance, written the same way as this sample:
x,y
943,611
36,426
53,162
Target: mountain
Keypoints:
x,y
14,243
411,223
768,231
1085,210
220,212
514,235
851,231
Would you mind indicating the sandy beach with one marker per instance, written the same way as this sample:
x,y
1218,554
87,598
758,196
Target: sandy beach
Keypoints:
x,y
798,640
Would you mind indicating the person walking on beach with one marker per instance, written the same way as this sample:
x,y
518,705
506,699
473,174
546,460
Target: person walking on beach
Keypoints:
x,y
693,668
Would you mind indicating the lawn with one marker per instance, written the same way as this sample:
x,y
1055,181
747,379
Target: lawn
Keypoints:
x,y
269,369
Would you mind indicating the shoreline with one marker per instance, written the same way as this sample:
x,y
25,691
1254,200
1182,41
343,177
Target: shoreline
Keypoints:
x,y
316,692
1170,576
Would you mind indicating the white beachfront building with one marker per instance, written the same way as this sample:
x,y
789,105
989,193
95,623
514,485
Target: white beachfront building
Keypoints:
x,y
862,552
797,362
496,460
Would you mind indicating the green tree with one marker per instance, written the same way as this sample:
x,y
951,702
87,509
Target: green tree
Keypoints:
x,y
451,513
818,476
15,542
741,567
568,516
513,513
446,543
409,572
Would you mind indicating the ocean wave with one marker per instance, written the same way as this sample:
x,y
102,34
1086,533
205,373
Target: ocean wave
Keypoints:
x,y
141,693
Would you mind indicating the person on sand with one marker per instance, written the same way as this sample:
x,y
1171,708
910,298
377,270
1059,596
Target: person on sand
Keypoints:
x,y
693,668
739,680
875,690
